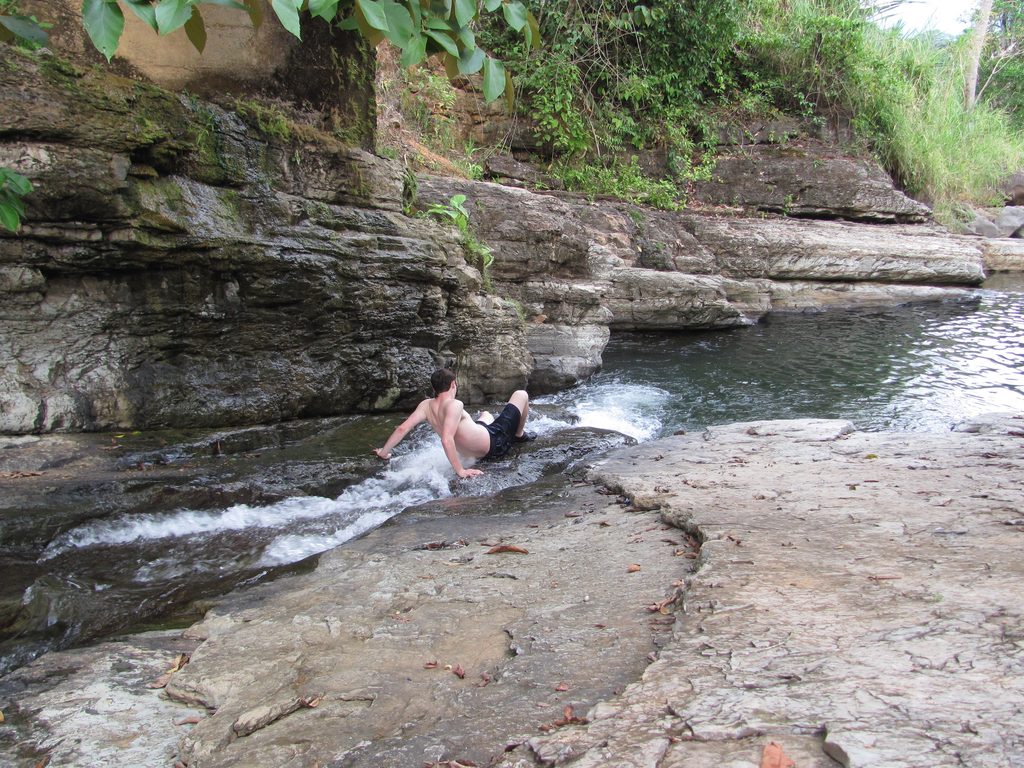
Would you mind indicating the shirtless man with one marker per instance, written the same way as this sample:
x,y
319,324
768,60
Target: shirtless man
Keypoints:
x,y
488,438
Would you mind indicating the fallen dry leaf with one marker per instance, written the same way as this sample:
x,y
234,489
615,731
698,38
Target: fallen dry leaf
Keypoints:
x,y
458,671
661,606
507,548
633,568
161,682
190,720
311,701
568,718
485,679
1,717
14,475
563,686
431,665
774,757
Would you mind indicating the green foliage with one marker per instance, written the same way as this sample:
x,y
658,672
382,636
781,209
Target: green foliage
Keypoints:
x,y
19,29
13,187
806,55
454,212
267,119
615,75
912,110
426,100
419,29
621,180
904,95
1002,68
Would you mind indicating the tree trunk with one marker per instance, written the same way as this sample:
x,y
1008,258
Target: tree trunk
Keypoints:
x,y
981,20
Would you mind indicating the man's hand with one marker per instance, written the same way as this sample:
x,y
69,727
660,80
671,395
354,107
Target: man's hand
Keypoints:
x,y
382,454
470,473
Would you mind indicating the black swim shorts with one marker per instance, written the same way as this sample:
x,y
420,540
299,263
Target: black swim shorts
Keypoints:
x,y
503,431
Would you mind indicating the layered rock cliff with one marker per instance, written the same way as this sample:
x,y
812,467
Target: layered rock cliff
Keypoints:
x,y
178,267
183,266
581,269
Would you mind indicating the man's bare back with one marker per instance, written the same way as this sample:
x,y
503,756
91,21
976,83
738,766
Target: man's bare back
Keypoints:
x,y
460,435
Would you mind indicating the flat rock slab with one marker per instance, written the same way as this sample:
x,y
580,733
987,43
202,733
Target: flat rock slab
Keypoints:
x,y
410,646
96,706
857,602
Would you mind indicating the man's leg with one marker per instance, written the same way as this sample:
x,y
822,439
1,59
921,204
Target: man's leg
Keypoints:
x,y
521,400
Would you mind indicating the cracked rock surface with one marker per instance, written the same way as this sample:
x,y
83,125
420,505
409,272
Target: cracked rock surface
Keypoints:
x,y
856,602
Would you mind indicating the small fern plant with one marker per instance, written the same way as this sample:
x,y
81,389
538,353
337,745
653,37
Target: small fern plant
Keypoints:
x,y
455,212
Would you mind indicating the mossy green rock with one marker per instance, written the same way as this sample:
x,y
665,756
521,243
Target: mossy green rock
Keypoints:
x,y
188,270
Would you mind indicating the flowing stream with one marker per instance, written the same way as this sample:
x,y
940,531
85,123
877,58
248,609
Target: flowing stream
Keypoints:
x,y
917,368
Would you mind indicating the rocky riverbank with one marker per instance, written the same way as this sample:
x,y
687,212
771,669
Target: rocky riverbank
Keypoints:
x,y
852,597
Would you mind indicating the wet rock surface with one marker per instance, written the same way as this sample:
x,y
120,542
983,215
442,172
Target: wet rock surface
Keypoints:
x,y
854,601
54,488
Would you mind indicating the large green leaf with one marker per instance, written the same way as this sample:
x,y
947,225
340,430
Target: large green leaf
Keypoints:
x,y
400,29
9,217
492,5
288,13
444,41
373,14
533,39
515,14
325,9
438,23
144,11
451,65
494,79
415,51
195,30
465,11
227,4
104,23
25,28
9,180
255,9
373,35
471,61
172,15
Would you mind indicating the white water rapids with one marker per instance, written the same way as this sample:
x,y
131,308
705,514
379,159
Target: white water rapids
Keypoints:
x,y
301,526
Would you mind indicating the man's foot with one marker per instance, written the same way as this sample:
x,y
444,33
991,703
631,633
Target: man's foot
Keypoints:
x,y
526,437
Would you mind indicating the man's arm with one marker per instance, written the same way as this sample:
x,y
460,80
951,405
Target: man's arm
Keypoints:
x,y
416,417
452,417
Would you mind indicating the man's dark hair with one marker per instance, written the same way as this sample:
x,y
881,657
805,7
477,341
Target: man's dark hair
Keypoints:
x,y
441,380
